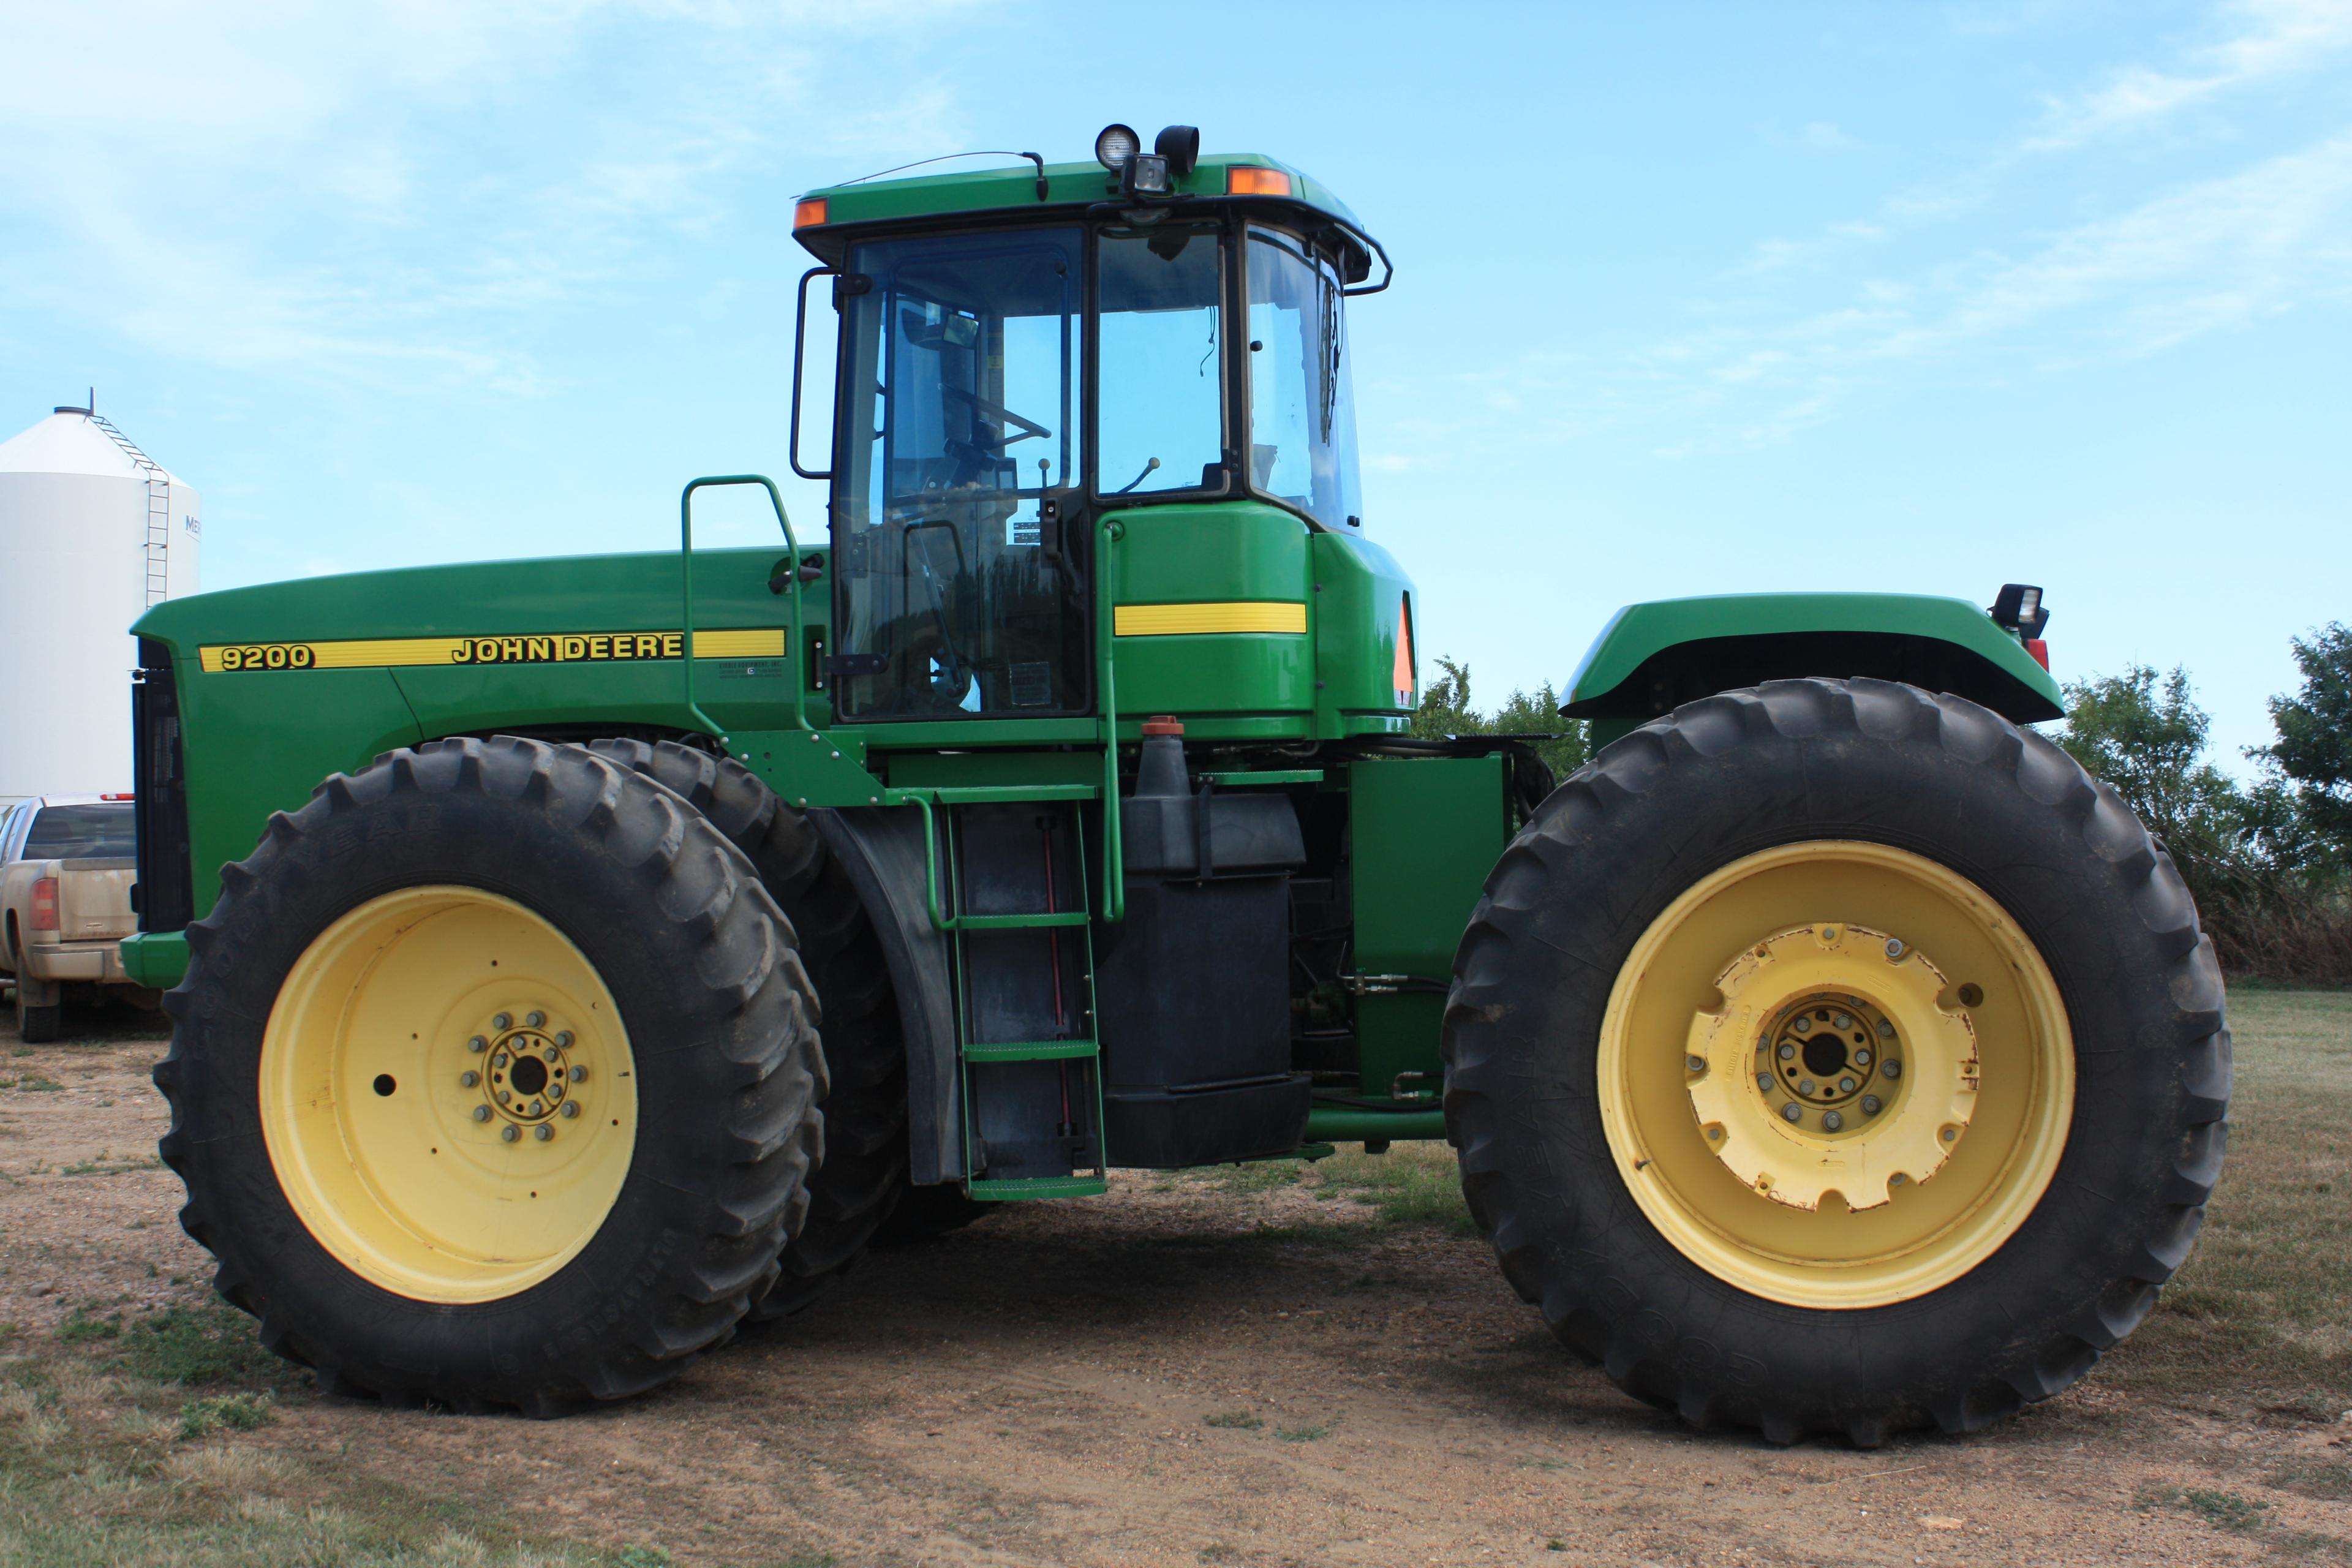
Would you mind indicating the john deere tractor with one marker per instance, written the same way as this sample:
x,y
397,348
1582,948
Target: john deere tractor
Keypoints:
x,y
572,959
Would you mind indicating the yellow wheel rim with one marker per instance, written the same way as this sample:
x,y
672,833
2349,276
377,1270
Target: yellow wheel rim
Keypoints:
x,y
447,1095
1836,1074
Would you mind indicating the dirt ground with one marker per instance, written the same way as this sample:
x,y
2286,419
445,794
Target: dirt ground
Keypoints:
x,y
1185,1373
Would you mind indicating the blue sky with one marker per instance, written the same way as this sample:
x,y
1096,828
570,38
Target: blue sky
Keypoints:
x,y
1691,299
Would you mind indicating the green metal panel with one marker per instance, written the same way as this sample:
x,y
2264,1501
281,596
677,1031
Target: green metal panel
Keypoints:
x,y
1231,552
159,958
1638,631
1423,832
1016,189
1362,596
258,740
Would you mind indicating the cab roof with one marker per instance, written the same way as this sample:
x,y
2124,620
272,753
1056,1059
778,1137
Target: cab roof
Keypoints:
x,y
1070,189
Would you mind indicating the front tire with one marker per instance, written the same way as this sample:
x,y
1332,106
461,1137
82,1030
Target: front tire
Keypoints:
x,y
1668,1048
494,1080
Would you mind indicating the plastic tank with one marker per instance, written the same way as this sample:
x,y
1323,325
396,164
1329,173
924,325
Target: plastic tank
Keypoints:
x,y
92,531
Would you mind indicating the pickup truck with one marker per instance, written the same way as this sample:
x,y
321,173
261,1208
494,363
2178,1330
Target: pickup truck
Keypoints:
x,y
66,872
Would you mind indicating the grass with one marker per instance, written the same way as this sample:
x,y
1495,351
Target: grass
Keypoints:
x,y
1413,1183
2262,1313
106,1457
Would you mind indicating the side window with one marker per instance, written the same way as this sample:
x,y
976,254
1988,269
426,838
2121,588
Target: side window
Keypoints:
x,y
1302,413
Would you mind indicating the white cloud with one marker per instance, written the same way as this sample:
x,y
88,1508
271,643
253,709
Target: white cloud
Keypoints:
x,y
378,194
2269,39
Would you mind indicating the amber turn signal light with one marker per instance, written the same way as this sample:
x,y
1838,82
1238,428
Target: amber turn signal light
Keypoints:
x,y
1247,179
808,211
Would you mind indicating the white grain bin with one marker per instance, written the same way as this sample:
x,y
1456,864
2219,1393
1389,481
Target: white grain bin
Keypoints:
x,y
92,531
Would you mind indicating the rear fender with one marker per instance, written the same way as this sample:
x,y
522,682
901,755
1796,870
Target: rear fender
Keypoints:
x,y
1653,658
882,850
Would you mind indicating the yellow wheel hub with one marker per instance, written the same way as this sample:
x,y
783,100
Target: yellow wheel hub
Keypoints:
x,y
1832,1067
447,1095
1835,1074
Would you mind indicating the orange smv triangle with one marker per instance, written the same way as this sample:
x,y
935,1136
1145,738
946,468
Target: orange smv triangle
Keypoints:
x,y
1402,677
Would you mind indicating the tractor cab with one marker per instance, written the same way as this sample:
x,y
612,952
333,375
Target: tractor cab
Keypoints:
x,y
1021,354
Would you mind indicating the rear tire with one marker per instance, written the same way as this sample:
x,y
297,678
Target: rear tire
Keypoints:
x,y
852,1195
560,910
1980,1231
38,1025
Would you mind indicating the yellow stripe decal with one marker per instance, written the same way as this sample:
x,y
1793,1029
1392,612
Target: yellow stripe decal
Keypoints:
x,y
530,648
1226,615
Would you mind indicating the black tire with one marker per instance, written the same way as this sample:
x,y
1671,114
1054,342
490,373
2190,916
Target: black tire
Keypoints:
x,y
38,1025
927,1214
852,1195
696,957
1791,761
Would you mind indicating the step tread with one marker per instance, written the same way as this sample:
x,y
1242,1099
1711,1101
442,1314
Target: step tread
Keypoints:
x,y
1032,1051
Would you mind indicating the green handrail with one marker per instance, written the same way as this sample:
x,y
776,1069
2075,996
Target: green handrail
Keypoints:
x,y
1106,633
796,652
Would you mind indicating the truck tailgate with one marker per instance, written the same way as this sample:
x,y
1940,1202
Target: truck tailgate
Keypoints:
x,y
93,899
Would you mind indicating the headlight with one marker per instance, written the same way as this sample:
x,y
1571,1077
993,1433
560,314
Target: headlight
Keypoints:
x,y
1115,146
1147,174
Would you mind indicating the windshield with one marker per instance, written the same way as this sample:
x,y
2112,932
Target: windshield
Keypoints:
x,y
98,832
960,390
1302,417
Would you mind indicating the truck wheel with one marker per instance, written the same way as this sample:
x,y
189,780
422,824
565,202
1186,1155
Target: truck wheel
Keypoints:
x,y
1832,1057
494,1080
852,1193
37,1026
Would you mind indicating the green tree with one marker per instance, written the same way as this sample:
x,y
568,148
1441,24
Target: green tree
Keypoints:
x,y
2144,734
1445,709
2312,753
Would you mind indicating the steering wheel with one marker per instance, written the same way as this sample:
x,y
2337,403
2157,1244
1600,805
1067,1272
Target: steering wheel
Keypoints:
x,y
997,411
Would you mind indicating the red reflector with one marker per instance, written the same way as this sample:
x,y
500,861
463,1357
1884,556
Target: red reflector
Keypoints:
x,y
116,797
45,904
2040,650
1162,724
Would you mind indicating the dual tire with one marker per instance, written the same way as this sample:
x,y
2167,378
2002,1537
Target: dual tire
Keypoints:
x,y
1668,1044
497,1080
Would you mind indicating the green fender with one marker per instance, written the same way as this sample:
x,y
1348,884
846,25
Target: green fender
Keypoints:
x,y
1653,658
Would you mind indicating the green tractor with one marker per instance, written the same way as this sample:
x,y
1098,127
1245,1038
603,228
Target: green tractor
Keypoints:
x,y
573,959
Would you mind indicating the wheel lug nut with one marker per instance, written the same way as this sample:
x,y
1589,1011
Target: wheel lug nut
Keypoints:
x,y
509,1132
1887,1028
1845,1086
1870,1105
1844,1022
469,1078
533,1020
571,1108
504,1098
481,1113
1950,1133
1787,1053
1764,1082
1832,1120
478,1045
503,1022
1893,947
1804,1026
542,1132
1695,1064
1862,1058
1792,1112
500,1060
552,1054
563,1039
1892,1070
579,1074
1804,1086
